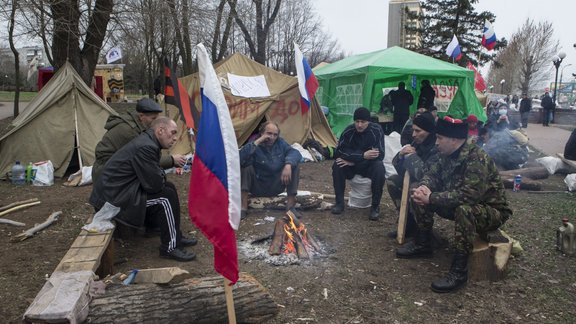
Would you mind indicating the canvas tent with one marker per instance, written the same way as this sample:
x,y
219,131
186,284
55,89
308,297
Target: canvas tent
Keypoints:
x,y
65,117
282,105
360,80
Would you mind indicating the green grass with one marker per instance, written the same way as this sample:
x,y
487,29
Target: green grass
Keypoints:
x,y
8,96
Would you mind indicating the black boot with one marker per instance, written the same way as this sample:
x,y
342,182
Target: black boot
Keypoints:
x,y
338,208
456,278
420,247
374,213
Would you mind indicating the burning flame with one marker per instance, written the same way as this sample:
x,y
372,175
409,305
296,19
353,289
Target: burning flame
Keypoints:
x,y
291,229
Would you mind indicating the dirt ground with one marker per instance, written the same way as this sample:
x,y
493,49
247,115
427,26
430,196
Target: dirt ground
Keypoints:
x,y
363,280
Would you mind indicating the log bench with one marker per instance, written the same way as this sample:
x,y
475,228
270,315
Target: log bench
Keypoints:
x,y
489,258
65,296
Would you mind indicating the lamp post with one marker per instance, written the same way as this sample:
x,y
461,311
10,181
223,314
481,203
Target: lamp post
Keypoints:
x,y
502,86
556,60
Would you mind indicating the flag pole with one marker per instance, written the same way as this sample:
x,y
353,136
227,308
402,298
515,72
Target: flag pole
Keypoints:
x,y
229,302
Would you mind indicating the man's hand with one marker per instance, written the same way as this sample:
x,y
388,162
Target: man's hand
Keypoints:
x,y
421,195
371,154
286,174
407,149
179,160
342,163
262,139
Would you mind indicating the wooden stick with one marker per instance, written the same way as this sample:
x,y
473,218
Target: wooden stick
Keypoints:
x,y
19,207
403,209
30,232
11,222
229,302
3,208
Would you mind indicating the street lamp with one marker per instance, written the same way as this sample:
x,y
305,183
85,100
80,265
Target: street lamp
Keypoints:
x,y
556,60
502,86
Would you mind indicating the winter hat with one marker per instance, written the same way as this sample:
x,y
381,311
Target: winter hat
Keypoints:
x,y
472,119
362,114
452,127
148,105
425,121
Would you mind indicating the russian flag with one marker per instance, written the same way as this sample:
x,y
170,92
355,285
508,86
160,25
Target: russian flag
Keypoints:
x,y
488,36
453,50
307,83
214,194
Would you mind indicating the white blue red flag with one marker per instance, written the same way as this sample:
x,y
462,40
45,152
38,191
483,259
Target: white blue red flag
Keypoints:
x,y
307,83
214,194
453,50
488,36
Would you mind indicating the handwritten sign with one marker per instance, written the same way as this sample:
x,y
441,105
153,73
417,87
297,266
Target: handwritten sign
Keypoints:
x,y
248,87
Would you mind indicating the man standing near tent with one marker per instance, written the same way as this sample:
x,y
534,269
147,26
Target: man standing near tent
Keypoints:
x,y
360,151
401,100
525,107
124,128
269,165
133,181
464,186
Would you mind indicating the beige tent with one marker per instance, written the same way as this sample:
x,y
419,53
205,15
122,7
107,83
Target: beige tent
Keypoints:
x,y
281,106
66,117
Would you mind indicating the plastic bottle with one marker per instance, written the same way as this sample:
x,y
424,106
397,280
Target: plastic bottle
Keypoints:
x,y
565,240
517,183
18,174
29,173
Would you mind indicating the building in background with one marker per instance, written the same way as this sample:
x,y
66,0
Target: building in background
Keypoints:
x,y
398,20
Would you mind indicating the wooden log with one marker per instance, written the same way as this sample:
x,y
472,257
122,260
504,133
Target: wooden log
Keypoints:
x,y
401,232
3,208
306,202
527,184
277,238
534,173
11,222
31,231
200,300
309,237
22,206
570,163
489,259
300,247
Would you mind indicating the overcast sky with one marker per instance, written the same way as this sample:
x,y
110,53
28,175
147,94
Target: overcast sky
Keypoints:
x,y
361,26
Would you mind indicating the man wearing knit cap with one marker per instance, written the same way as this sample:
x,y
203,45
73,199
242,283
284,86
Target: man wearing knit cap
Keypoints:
x,y
463,186
360,151
416,158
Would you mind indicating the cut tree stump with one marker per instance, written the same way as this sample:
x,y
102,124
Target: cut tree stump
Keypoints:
x,y
199,300
534,173
489,259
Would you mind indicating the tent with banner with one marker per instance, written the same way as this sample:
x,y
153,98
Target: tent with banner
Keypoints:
x,y
361,80
63,124
255,93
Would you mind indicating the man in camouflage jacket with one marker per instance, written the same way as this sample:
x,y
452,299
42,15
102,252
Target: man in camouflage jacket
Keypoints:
x,y
464,186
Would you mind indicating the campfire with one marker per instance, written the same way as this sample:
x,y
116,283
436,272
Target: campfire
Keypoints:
x,y
291,237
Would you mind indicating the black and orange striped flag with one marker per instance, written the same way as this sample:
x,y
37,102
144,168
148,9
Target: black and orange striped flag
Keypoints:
x,y
178,97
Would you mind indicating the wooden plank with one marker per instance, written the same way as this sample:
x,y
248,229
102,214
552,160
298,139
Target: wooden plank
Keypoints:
x,y
87,248
403,209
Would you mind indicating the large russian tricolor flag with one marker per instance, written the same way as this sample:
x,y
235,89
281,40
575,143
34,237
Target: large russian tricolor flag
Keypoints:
x,y
214,194
307,83
453,50
488,36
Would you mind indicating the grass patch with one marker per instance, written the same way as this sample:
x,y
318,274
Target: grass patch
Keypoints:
x,y
8,96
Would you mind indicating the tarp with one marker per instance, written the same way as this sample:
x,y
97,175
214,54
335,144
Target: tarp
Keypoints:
x,y
64,117
282,105
359,81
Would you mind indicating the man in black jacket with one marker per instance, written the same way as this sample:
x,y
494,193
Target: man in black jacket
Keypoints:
x,y
133,181
525,107
401,100
547,108
360,151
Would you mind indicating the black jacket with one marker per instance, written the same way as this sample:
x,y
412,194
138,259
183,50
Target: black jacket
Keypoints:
x,y
352,144
128,176
525,105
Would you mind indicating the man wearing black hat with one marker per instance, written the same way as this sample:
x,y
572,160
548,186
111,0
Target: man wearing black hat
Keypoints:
x,y
464,186
360,151
124,128
416,158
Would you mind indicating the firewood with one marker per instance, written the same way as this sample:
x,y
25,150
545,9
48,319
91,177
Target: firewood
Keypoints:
x,y
22,206
309,237
527,184
11,222
30,232
403,209
489,259
277,238
18,203
534,173
194,300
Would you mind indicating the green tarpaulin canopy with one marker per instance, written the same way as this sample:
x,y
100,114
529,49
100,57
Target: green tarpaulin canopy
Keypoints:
x,y
361,80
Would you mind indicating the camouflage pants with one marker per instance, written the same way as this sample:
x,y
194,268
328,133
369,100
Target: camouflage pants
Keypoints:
x,y
468,221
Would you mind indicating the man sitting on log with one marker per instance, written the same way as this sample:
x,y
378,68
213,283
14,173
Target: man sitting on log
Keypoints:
x,y
269,166
133,181
415,158
360,151
464,186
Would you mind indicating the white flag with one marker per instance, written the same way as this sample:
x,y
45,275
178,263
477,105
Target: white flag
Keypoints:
x,y
114,54
32,67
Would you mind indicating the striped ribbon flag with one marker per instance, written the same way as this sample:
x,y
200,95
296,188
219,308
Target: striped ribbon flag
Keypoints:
x,y
178,96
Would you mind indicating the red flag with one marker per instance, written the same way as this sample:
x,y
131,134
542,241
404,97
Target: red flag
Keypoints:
x,y
178,97
307,82
479,83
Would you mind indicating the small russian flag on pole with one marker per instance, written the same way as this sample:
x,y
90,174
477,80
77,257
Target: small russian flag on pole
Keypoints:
x,y
453,50
488,36
307,83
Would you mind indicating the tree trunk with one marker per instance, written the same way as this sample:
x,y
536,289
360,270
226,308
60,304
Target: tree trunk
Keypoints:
x,y
16,58
534,173
190,301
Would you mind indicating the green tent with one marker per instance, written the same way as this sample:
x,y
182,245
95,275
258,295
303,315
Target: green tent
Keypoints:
x,y
361,80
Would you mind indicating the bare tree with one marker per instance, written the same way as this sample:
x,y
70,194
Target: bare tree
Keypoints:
x,y
16,57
